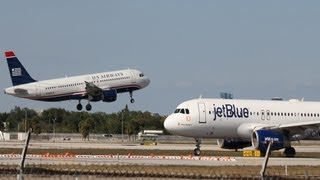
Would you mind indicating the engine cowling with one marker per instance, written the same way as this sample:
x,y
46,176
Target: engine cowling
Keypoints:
x,y
109,95
233,143
261,138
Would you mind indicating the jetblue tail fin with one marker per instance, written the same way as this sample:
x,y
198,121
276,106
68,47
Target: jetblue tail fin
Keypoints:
x,y
18,73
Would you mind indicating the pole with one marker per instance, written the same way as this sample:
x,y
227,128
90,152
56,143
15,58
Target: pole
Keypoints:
x,y
266,159
54,128
122,126
23,155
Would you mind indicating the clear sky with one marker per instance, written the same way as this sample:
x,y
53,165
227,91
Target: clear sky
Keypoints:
x,y
253,49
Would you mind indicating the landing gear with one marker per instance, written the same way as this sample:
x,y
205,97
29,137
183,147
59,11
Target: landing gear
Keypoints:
x,y
289,152
131,100
197,150
79,106
88,107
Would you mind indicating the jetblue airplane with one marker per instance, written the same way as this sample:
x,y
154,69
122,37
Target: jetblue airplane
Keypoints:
x,y
92,87
243,123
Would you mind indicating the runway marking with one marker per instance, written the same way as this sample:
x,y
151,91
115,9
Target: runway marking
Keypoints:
x,y
71,156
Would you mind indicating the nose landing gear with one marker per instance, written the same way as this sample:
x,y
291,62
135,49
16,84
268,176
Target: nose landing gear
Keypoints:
x,y
131,99
197,150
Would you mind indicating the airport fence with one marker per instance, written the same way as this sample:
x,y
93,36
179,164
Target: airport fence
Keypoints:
x,y
159,171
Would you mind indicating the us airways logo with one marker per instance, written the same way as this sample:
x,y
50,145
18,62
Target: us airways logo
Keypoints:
x,y
230,111
16,72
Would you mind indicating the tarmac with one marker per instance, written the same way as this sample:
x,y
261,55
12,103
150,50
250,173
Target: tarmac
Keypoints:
x,y
148,160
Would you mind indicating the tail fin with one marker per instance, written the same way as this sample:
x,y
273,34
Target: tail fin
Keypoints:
x,y
18,73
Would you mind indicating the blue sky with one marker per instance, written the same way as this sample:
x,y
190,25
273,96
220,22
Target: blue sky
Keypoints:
x,y
254,49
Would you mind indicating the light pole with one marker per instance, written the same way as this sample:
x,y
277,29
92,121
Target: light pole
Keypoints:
x,y
122,126
54,127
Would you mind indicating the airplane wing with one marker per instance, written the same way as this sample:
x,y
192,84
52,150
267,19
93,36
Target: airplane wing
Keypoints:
x,y
93,90
295,128
299,127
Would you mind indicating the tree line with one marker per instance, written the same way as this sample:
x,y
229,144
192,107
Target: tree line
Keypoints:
x,y
62,121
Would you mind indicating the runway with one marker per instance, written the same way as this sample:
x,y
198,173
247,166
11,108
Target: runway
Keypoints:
x,y
148,160
303,147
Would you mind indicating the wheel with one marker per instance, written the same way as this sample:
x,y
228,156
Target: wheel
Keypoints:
x,y
79,107
289,152
132,101
197,152
88,107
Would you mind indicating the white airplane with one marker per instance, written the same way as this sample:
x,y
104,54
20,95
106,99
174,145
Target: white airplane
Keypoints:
x,y
93,87
242,123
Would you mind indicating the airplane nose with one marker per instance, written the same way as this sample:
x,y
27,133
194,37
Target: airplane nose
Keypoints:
x,y
147,81
169,124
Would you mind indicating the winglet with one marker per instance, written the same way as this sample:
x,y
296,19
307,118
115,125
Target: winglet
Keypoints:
x,y
9,54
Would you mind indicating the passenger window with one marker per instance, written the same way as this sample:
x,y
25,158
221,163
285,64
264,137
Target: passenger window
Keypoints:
x,y
182,111
187,111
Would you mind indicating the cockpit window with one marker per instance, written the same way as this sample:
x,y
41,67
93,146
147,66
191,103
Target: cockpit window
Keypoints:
x,y
182,111
141,75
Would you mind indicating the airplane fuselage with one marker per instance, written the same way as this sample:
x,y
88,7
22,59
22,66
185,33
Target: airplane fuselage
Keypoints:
x,y
223,118
74,87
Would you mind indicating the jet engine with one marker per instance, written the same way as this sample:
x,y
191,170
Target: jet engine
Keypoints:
x,y
109,95
261,138
233,143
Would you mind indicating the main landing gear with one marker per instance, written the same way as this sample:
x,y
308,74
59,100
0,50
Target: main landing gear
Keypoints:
x,y
197,150
79,106
88,106
289,152
131,99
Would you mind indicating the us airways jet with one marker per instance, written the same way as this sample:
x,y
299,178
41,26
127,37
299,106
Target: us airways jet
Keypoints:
x,y
243,123
92,87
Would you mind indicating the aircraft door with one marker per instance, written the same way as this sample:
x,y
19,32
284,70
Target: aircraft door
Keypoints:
x,y
133,77
202,113
38,90
262,115
268,115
